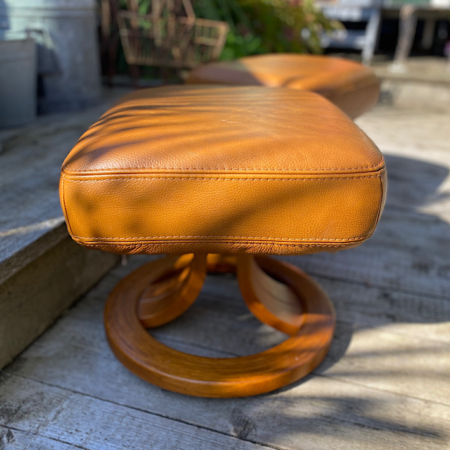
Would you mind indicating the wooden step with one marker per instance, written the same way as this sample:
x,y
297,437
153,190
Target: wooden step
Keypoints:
x,y
42,271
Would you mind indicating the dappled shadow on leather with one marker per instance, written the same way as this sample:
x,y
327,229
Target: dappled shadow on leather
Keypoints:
x,y
145,144
135,213
166,127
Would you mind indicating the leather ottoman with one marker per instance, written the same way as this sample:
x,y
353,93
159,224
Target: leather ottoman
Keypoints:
x,y
219,178
352,87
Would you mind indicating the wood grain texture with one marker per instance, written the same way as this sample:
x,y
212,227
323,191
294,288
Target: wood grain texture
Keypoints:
x,y
88,423
318,414
14,439
171,286
311,326
32,299
273,302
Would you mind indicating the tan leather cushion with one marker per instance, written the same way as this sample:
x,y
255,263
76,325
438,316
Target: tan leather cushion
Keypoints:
x,y
223,170
351,86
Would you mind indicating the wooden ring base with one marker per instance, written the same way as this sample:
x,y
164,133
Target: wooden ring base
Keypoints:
x,y
277,293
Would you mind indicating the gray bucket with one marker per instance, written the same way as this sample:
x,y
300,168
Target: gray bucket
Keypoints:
x,y
17,82
68,57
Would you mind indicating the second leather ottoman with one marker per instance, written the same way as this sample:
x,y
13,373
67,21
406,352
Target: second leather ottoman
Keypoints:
x,y
352,87
219,178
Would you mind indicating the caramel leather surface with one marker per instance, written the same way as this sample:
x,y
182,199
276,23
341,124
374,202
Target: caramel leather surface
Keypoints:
x,y
351,86
223,170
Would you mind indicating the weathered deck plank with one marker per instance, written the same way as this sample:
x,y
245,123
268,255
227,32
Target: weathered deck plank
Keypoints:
x,y
317,414
219,325
13,439
34,297
88,423
74,355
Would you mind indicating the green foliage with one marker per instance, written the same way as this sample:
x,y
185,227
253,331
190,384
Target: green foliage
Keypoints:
x,y
263,26
143,5
267,26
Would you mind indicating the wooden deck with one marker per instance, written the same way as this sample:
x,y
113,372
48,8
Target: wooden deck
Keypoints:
x,y
384,385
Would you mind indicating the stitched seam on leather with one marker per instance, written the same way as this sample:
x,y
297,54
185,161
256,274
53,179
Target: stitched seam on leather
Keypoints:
x,y
225,237
140,244
94,180
64,205
219,237
380,204
226,168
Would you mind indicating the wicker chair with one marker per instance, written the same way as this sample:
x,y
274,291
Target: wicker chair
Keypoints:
x,y
164,38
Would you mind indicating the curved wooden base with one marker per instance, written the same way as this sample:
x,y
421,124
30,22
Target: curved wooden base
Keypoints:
x,y
277,293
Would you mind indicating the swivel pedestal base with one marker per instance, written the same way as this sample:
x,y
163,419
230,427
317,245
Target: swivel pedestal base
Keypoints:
x,y
277,293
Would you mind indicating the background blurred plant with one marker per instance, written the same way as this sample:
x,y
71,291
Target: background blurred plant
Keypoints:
x,y
263,26
268,26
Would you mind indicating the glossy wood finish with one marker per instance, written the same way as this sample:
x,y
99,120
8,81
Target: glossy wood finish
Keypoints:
x,y
169,295
276,292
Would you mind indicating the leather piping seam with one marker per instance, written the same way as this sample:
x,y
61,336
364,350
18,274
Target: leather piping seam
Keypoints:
x,y
64,205
140,244
218,238
376,166
211,178
380,209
